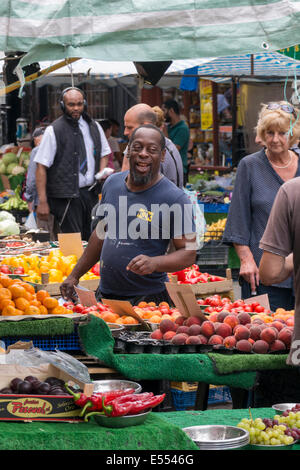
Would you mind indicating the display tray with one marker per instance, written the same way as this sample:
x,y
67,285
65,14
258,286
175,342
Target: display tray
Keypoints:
x,y
139,342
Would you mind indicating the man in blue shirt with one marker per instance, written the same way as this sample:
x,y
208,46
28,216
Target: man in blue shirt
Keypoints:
x,y
178,132
140,212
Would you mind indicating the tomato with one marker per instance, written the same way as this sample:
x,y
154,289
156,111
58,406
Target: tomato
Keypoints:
x,y
164,310
5,269
247,308
238,303
101,307
19,270
79,308
259,309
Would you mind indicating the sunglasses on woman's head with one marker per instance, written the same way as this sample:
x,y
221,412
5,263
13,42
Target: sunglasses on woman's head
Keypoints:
x,y
287,108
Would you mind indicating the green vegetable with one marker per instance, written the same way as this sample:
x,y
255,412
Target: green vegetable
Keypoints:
x,y
9,157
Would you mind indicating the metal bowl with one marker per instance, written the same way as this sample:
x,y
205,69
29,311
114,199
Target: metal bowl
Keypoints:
x,y
153,326
121,421
281,407
108,385
115,329
218,437
277,447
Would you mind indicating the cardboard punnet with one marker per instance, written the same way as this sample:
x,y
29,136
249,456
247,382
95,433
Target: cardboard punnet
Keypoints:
x,y
185,300
21,407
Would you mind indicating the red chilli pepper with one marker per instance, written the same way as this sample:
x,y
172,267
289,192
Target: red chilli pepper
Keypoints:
x,y
79,398
95,401
151,402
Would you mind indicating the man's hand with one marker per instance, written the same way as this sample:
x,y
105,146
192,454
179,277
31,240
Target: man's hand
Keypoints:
x,y
43,210
142,265
249,271
67,288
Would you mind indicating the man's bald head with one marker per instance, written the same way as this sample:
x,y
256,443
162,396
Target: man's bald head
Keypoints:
x,y
137,115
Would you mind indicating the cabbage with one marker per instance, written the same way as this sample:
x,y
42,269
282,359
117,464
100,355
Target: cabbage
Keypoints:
x,y
9,157
17,170
10,168
2,168
4,215
9,227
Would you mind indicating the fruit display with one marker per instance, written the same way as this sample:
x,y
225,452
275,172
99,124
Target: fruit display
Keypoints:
x,y
55,264
18,297
269,432
14,202
192,275
215,230
31,385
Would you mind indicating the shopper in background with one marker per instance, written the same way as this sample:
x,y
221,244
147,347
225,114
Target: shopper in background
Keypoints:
x,y
74,148
258,179
30,193
113,141
107,128
178,132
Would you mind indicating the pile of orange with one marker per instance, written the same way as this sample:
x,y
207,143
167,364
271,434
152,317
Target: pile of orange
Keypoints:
x,y
19,298
111,317
287,316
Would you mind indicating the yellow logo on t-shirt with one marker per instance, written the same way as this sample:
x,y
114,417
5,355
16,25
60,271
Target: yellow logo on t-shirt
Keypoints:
x,y
145,215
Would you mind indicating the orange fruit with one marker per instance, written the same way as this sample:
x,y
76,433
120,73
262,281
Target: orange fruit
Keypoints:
x,y
35,302
50,302
28,296
151,304
119,321
17,291
127,320
164,304
9,310
5,293
32,310
142,304
110,317
41,295
43,310
60,310
5,302
29,288
155,319
21,303
147,314
6,281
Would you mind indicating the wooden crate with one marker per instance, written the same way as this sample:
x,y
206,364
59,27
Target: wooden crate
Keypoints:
x,y
224,287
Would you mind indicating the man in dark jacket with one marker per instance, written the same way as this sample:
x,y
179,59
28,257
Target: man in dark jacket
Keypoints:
x,y
73,150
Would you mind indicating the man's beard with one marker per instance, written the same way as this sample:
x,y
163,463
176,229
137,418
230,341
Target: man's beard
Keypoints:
x,y
140,180
167,118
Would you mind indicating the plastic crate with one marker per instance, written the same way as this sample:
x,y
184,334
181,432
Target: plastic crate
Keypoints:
x,y
215,235
213,254
215,208
183,400
218,394
46,343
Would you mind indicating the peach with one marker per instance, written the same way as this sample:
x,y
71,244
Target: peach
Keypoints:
x,y
156,334
241,332
193,320
260,347
229,342
193,340
257,320
169,335
244,318
224,330
285,335
203,339
207,328
179,320
255,332
231,320
183,329
167,325
215,339
251,340
277,345
213,316
179,339
244,345
278,325
194,330
269,335
221,316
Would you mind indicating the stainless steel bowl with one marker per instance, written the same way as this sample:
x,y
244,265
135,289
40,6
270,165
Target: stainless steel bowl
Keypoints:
x,y
218,437
277,447
115,329
121,421
108,385
153,326
281,407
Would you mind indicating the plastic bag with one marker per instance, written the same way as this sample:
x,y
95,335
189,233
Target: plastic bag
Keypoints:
x,y
199,218
30,223
35,357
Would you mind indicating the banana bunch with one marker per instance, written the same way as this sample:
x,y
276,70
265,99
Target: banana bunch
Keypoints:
x,y
14,202
215,230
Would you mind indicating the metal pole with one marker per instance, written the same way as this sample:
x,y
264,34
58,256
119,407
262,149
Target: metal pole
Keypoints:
x,y
215,124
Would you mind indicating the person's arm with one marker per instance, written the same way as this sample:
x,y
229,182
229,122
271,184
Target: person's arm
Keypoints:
x,y
248,268
104,162
183,257
42,209
274,269
89,258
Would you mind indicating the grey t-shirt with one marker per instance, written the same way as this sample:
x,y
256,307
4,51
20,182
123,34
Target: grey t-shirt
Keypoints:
x,y
281,236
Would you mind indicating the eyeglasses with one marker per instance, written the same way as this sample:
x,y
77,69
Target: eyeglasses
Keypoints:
x,y
287,108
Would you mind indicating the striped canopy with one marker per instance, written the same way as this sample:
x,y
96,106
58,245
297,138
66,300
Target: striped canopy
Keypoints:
x,y
146,30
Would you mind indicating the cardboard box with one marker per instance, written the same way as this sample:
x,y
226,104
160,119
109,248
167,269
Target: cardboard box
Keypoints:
x,y
185,386
54,287
38,407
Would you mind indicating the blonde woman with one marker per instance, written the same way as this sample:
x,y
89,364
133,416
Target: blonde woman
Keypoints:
x,y
259,177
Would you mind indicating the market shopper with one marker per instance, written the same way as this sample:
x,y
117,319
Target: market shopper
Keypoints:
x,y
140,212
178,132
74,148
258,179
30,193
142,113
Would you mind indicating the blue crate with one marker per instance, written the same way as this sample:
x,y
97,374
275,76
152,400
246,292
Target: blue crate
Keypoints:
x,y
183,400
219,395
46,343
215,208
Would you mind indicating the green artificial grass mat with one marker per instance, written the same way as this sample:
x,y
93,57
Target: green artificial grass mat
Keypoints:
x,y
226,364
154,434
45,327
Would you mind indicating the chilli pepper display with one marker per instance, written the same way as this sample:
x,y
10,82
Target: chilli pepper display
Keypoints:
x,y
192,275
128,405
95,401
80,399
